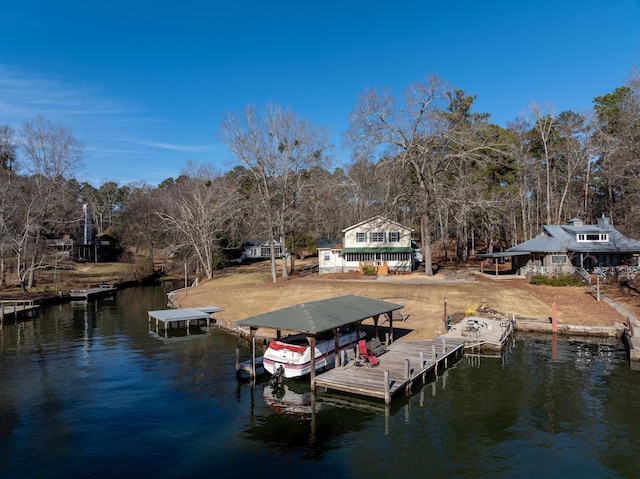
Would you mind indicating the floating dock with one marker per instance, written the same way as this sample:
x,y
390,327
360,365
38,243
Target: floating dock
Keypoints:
x,y
89,293
482,334
174,317
404,363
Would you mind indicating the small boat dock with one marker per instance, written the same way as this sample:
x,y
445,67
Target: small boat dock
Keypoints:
x,y
90,293
403,363
16,309
482,334
175,318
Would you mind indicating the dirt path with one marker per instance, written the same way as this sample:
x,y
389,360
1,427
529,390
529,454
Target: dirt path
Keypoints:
x,y
244,295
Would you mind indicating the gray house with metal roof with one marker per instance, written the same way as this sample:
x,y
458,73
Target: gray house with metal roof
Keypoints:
x,y
574,248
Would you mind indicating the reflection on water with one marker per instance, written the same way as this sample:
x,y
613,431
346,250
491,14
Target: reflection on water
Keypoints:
x,y
85,391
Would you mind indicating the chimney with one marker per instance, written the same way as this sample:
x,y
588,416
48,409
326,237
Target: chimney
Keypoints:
x,y
603,222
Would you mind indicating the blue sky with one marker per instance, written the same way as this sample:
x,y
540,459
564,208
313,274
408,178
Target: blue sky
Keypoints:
x,y
144,84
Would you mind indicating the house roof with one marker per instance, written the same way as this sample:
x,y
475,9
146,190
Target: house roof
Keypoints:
x,y
259,243
323,315
327,243
378,218
562,239
184,314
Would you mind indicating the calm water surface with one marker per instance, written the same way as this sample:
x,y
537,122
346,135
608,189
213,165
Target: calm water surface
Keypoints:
x,y
86,391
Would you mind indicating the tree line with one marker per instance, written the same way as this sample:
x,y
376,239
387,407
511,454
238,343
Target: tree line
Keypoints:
x,y
425,159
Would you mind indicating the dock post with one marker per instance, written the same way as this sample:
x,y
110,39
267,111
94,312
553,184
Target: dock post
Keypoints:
x,y
253,357
444,317
386,419
407,369
421,360
387,391
554,323
435,359
312,344
444,352
238,361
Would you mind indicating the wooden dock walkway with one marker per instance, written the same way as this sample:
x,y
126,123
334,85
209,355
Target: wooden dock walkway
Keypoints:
x,y
404,363
90,293
16,309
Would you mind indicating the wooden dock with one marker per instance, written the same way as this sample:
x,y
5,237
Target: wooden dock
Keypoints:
x,y
90,293
404,363
482,334
16,309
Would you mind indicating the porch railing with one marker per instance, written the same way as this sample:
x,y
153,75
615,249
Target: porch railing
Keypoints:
x,y
579,271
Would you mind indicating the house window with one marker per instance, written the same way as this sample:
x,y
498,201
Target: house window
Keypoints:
x,y
394,236
600,237
559,259
361,237
377,237
327,255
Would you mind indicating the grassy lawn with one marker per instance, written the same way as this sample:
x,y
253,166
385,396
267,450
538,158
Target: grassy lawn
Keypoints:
x,y
70,276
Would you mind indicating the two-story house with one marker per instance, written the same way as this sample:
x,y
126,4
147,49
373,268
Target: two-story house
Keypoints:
x,y
378,242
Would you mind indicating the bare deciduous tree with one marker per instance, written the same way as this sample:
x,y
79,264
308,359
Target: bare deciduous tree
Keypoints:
x,y
278,148
8,196
198,211
52,156
406,133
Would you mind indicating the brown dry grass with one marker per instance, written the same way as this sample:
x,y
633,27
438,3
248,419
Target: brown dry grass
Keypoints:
x,y
247,291
70,275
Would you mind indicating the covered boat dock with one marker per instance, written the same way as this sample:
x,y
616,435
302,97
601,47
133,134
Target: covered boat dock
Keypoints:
x,y
316,317
169,317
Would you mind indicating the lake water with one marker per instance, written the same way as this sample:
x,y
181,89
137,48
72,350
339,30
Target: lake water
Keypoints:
x,y
86,391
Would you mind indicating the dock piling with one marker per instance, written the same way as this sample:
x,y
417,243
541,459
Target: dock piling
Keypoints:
x,y
387,389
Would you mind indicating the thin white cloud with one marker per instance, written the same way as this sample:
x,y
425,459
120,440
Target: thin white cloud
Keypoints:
x,y
175,147
121,139
26,95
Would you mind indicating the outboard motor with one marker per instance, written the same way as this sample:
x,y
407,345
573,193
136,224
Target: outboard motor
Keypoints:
x,y
277,378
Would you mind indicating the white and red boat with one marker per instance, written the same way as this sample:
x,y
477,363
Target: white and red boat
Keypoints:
x,y
290,357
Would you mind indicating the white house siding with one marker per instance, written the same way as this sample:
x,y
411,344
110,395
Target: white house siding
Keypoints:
x,y
330,261
377,241
252,252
